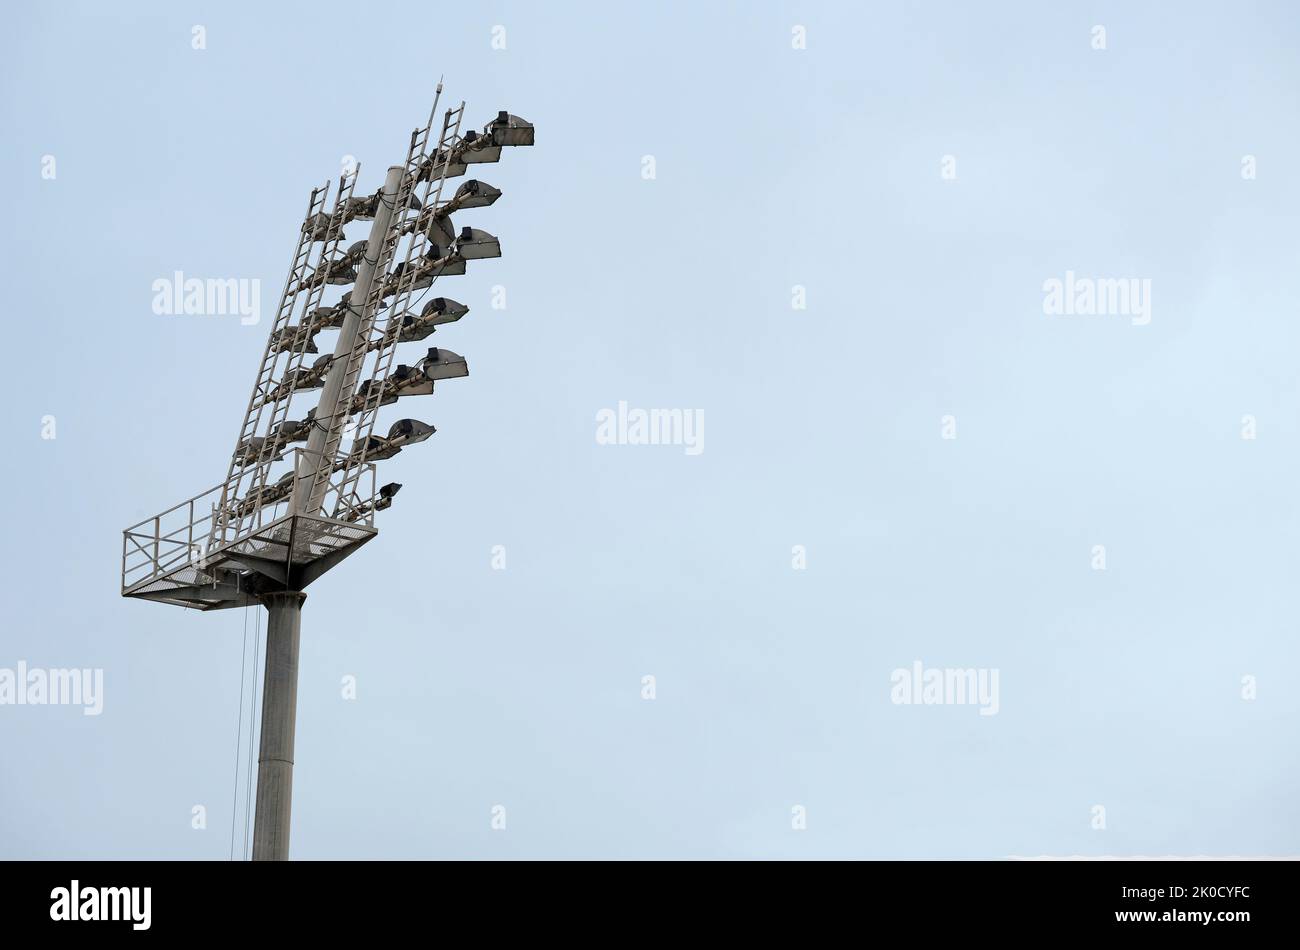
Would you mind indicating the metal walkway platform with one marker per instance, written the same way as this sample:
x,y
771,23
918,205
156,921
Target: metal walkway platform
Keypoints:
x,y
180,557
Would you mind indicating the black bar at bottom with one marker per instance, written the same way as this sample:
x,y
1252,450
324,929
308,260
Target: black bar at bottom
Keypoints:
x,y
1219,900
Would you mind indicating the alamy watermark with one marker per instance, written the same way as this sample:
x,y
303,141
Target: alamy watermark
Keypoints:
x,y
208,297
626,426
53,687
78,902
945,686
1098,296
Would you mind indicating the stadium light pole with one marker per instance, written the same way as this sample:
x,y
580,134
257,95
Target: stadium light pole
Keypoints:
x,y
271,816
256,539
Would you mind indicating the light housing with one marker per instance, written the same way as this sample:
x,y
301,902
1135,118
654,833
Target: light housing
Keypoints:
x,y
314,378
436,312
386,493
433,165
474,244
365,208
356,253
443,310
443,364
448,265
507,129
404,432
441,235
292,430
317,227
478,149
475,194
362,395
286,340
409,381
333,316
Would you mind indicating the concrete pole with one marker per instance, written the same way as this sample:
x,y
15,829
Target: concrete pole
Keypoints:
x,y
332,397
279,712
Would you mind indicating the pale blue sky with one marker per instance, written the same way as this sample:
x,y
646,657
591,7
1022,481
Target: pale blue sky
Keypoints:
x,y
775,167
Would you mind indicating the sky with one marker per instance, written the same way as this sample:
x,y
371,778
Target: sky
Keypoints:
x,y
823,230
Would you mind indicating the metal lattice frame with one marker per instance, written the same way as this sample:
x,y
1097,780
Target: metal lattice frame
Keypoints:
x,y
268,390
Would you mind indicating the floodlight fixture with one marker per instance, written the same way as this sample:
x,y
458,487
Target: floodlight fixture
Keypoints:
x,y
442,310
314,378
507,129
404,432
366,208
331,317
410,381
474,194
403,381
436,313
479,150
383,499
317,227
454,160
474,244
440,363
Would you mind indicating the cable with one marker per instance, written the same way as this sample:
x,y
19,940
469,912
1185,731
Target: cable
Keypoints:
x,y
416,301
252,720
239,734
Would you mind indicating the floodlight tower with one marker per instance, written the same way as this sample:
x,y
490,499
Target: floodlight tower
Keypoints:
x,y
286,515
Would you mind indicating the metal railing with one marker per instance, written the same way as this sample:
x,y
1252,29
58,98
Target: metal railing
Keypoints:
x,y
193,535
